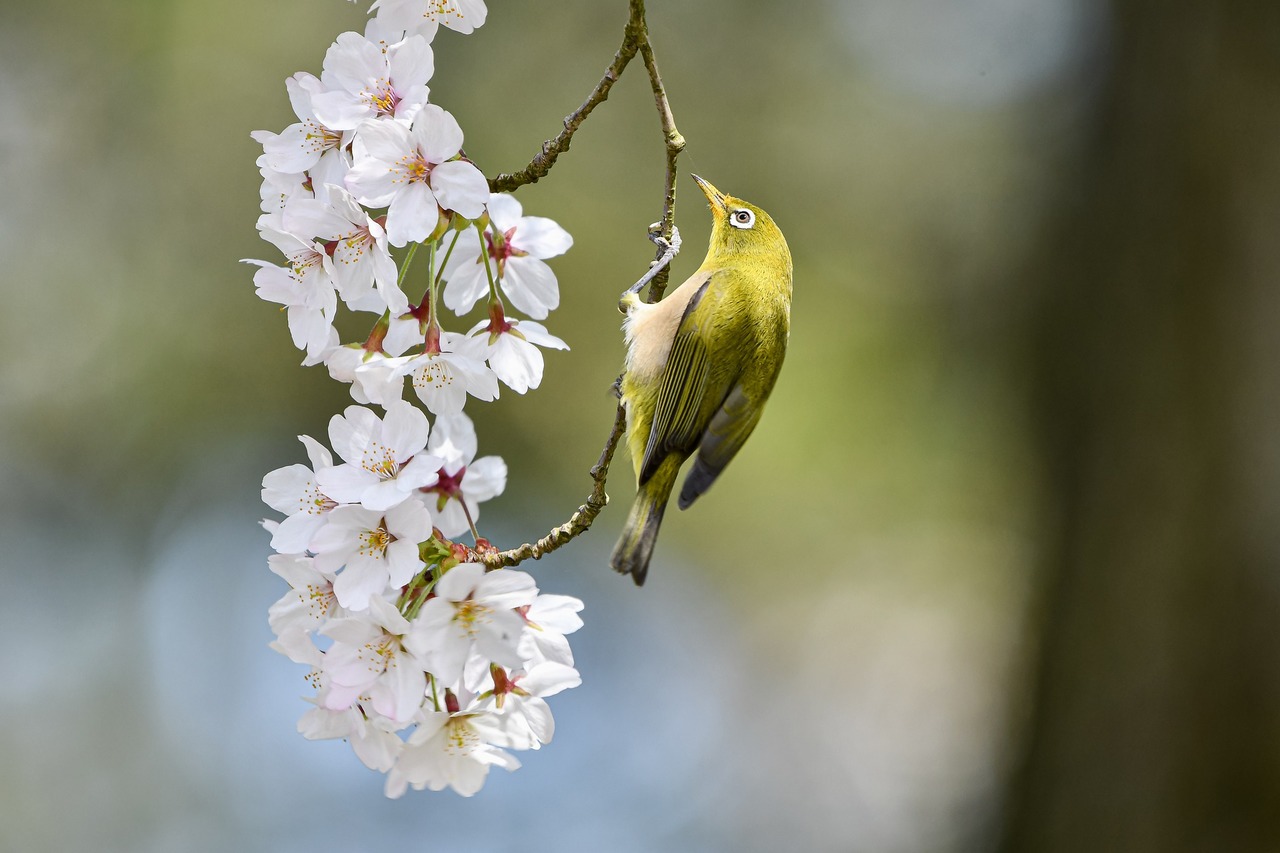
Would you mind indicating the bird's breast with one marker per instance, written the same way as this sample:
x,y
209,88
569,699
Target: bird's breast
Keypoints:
x,y
650,330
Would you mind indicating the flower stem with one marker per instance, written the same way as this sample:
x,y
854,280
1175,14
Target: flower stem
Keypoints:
x,y
488,269
404,268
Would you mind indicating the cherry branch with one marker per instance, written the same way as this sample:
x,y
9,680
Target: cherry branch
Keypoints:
x,y
635,39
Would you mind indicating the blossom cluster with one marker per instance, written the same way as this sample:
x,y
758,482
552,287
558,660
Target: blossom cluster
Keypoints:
x,y
429,665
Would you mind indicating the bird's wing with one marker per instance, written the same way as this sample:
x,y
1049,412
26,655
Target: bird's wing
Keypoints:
x,y
678,421
724,436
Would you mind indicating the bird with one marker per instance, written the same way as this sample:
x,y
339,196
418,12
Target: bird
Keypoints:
x,y
700,365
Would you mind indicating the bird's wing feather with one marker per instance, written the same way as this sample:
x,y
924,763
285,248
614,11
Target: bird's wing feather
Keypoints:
x,y
724,436
677,426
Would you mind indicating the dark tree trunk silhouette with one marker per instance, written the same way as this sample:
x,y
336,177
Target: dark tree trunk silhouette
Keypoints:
x,y
1154,715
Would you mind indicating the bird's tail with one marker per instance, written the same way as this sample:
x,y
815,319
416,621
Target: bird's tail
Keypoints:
x,y
635,545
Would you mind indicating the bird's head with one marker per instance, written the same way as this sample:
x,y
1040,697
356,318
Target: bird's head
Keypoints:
x,y
739,227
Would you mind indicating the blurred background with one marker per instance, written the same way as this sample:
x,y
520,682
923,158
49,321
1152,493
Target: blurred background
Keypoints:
x,y
997,572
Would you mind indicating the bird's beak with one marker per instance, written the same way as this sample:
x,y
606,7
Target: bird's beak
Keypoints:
x,y
714,196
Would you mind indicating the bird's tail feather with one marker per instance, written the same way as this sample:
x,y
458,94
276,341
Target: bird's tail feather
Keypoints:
x,y
635,546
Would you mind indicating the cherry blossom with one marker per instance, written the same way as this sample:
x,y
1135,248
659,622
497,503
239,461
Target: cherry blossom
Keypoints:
x,y
443,377
377,550
412,171
472,612
293,490
450,750
430,668
363,80
307,145
368,659
518,247
511,347
372,737
361,258
383,458
463,481
549,618
310,601
525,718
425,16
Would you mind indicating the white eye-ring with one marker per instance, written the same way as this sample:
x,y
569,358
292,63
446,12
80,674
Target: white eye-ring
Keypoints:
x,y
742,218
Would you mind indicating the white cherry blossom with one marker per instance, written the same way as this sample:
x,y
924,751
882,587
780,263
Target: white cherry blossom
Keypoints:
x,y
549,618
307,145
425,16
511,347
412,172
368,659
524,717
305,287
445,375
310,601
518,247
450,750
278,188
463,481
384,461
472,613
361,258
293,490
369,164
378,550
309,310
373,376
365,80
383,381
372,738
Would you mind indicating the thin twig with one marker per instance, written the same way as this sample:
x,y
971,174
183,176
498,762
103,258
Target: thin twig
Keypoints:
x,y
675,144
635,39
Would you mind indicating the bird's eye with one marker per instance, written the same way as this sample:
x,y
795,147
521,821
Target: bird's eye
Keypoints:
x,y
742,218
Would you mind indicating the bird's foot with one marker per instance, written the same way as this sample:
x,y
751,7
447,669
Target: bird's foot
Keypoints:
x,y
667,250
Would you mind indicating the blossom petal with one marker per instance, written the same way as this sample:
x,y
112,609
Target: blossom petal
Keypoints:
x,y
411,63
505,212
437,136
412,215
460,186
532,286
548,679
541,237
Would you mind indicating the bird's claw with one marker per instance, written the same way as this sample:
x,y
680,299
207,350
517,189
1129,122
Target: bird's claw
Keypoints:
x,y
664,245
667,250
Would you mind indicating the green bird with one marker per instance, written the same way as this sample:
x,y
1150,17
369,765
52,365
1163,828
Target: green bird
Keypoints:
x,y
700,365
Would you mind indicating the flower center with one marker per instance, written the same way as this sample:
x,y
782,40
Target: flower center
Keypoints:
x,y
434,374
373,543
500,249
319,138
470,614
460,738
318,599
380,460
383,98
379,654
418,169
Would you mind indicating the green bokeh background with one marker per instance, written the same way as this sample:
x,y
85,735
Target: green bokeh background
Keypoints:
x,y
855,614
